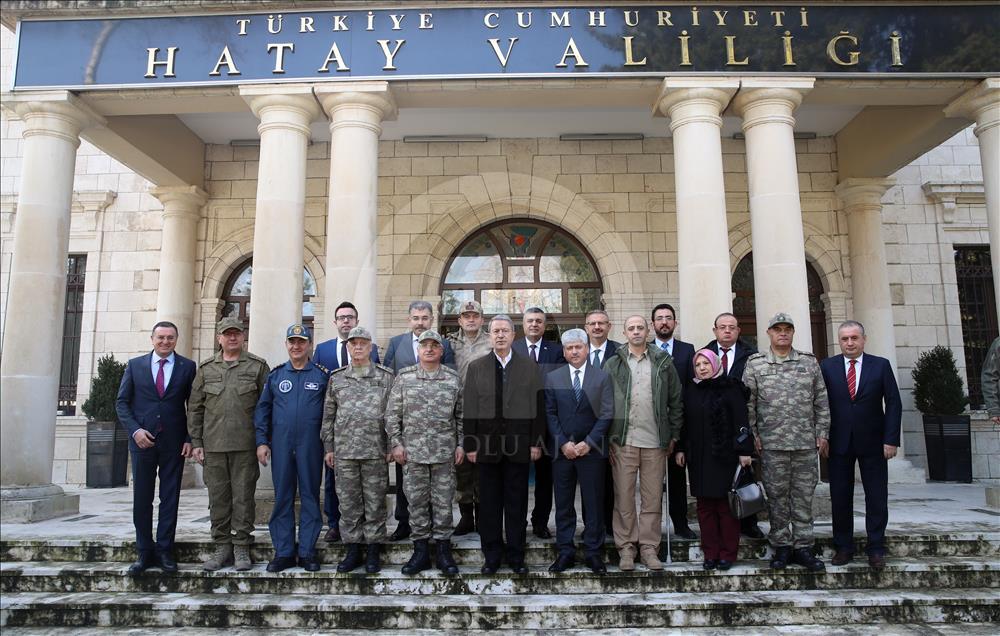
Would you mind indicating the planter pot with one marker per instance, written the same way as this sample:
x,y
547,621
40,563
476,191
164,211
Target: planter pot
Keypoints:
x,y
107,455
949,447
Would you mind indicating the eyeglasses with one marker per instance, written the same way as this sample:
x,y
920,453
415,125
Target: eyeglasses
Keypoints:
x,y
598,324
347,317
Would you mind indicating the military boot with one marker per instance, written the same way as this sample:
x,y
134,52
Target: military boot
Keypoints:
x,y
421,559
351,560
445,561
241,554
222,557
467,523
373,560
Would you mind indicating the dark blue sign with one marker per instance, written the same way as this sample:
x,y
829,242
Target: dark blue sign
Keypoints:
x,y
409,42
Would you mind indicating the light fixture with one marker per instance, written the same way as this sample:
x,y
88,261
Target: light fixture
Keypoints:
x,y
244,143
795,135
430,139
602,137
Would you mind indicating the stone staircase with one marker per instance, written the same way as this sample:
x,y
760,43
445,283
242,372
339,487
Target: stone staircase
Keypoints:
x,y
930,579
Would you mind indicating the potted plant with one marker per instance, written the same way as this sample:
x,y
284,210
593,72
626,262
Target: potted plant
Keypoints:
x,y
938,394
107,441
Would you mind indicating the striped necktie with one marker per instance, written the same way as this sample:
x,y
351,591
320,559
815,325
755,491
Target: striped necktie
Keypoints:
x,y
852,379
577,387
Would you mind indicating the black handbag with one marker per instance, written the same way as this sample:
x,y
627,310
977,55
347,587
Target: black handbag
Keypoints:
x,y
748,499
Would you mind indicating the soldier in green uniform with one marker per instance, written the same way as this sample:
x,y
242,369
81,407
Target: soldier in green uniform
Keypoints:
x,y
470,342
790,416
424,422
354,439
220,421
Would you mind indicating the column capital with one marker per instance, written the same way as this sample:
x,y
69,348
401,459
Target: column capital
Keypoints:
x,y
860,194
981,103
180,200
688,100
358,103
766,100
288,106
55,113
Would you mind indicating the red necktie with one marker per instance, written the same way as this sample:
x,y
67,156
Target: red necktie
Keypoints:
x,y
161,385
725,361
852,379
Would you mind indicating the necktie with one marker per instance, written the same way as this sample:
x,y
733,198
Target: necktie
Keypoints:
x,y
577,387
534,353
343,353
664,347
597,358
725,361
161,385
852,379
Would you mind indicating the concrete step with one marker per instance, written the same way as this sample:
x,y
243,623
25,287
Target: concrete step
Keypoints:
x,y
195,549
875,629
900,573
500,611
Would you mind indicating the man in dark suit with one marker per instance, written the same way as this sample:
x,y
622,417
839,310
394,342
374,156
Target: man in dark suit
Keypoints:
x,y
865,415
733,353
151,405
664,323
598,325
504,417
579,405
332,354
402,353
547,355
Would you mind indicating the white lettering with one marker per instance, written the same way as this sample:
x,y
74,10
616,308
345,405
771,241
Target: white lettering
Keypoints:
x,y
152,62
503,57
279,56
390,55
225,59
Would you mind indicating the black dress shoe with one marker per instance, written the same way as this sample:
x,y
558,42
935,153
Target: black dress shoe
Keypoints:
x,y
541,532
710,564
332,535
490,568
309,563
562,563
596,565
280,564
752,531
724,565
782,555
143,563
166,562
351,560
843,557
401,532
805,558
518,567
685,533
876,561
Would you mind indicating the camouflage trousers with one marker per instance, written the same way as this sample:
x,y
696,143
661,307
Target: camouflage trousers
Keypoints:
x,y
362,485
790,481
231,479
467,476
430,489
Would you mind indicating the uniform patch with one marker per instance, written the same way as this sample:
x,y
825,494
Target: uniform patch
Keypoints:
x,y
285,386
311,386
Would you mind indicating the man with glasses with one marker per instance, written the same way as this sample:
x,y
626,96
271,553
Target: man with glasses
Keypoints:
x,y
601,349
332,354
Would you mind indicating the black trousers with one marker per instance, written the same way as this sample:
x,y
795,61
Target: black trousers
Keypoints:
x,y
402,510
503,507
163,461
677,490
588,471
543,491
875,480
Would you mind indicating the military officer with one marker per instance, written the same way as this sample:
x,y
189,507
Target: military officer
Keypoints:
x,y
424,422
287,419
790,416
220,420
470,342
355,442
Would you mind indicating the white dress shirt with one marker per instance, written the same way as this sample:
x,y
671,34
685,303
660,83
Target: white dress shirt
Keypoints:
x,y
857,369
603,349
168,368
669,343
505,360
573,370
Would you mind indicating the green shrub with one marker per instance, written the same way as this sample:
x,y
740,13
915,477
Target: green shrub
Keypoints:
x,y
100,405
937,387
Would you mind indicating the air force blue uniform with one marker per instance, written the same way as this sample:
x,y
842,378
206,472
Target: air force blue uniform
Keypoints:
x,y
288,418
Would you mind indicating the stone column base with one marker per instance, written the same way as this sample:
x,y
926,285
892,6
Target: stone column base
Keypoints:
x,y
993,497
901,471
36,503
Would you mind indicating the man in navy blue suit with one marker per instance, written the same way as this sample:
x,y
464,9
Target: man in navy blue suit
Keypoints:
x,y
151,405
579,405
664,320
332,354
865,413
402,353
547,355
598,325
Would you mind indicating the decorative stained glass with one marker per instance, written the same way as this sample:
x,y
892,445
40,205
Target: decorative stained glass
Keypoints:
x,y
515,301
521,274
582,300
452,299
563,262
519,240
478,262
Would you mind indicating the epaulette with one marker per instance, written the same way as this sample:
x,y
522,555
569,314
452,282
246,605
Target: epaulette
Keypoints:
x,y
206,361
256,357
755,356
449,370
280,366
339,369
384,368
805,353
321,368
407,370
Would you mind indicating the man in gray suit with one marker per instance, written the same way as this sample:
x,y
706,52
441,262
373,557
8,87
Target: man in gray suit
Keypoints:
x,y
402,353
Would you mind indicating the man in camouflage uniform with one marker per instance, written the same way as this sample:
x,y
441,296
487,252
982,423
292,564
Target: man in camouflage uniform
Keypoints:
x,y
424,424
790,416
470,342
220,421
991,381
355,442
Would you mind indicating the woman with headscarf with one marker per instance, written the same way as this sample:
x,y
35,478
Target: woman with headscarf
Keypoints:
x,y
715,440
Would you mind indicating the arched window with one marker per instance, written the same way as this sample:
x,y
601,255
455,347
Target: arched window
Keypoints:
x,y
236,295
510,266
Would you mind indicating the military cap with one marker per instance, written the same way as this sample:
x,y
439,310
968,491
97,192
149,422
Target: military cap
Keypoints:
x,y
359,332
781,318
430,334
471,305
229,323
298,331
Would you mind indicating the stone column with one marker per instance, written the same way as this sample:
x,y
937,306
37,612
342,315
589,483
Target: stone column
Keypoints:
x,y
693,106
779,265
285,113
982,104
32,339
175,294
356,113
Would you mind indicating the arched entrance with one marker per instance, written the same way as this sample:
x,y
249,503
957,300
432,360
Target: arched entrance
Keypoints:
x,y
514,264
236,294
745,306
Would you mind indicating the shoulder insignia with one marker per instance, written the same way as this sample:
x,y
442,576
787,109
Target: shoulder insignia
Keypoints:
x,y
256,357
755,356
205,361
808,354
321,368
338,369
280,366
448,370
384,368
407,370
